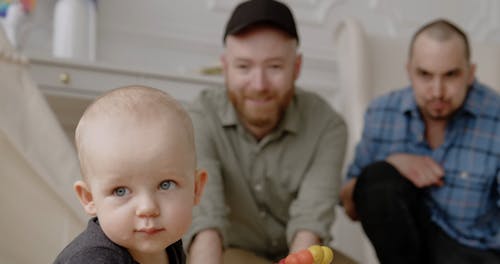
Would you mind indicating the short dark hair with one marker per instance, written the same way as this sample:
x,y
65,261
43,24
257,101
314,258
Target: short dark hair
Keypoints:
x,y
441,29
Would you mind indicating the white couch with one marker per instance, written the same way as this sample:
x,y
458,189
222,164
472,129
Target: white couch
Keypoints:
x,y
368,66
38,166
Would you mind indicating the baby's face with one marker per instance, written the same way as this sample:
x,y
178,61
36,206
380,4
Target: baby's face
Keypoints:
x,y
142,179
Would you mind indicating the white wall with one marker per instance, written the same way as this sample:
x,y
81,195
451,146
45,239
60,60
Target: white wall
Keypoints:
x,y
184,36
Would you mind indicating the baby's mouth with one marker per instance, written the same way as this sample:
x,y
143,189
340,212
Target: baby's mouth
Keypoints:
x,y
150,230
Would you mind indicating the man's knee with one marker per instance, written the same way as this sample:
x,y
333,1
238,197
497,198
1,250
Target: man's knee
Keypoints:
x,y
381,187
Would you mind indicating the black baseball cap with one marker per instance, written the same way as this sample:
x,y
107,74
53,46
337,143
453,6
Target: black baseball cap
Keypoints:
x,y
267,12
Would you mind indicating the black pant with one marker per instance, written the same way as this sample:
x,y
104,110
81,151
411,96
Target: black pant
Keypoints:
x,y
397,222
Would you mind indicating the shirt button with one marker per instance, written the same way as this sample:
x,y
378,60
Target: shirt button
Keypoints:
x,y
262,214
258,187
464,175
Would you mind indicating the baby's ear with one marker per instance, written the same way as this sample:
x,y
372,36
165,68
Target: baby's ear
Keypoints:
x,y
85,196
199,184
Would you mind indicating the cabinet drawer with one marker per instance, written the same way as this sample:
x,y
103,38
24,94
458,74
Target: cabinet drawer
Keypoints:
x,y
79,79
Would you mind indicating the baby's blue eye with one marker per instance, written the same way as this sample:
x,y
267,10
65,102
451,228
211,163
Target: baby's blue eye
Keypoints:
x,y
120,191
168,184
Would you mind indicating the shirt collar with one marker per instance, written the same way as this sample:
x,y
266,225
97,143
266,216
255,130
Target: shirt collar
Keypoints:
x,y
289,123
291,118
408,103
227,113
473,99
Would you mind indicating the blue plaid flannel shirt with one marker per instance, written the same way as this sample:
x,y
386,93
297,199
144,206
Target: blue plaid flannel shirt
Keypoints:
x,y
467,207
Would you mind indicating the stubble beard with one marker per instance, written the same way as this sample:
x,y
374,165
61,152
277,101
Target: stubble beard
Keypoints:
x,y
262,117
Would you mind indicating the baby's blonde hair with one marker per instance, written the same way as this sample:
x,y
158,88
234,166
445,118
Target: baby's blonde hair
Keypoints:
x,y
135,102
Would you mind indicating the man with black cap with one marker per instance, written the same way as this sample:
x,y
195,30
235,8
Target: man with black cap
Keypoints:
x,y
273,152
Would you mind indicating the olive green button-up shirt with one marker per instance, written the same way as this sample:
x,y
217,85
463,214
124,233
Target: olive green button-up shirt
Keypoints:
x,y
260,193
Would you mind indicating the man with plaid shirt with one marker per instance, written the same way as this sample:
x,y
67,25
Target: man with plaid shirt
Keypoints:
x,y
425,180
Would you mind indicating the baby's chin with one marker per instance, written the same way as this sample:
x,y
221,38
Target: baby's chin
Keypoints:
x,y
148,247
140,254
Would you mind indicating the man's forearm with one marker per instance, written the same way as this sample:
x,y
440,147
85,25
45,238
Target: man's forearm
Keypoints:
x,y
206,248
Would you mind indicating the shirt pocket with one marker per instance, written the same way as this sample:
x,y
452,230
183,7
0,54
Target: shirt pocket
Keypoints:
x,y
291,181
283,185
465,194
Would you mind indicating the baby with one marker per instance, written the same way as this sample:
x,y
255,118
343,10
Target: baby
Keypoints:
x,y
137,158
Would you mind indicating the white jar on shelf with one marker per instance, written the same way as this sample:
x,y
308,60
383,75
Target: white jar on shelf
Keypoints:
x,y
74,28
14,22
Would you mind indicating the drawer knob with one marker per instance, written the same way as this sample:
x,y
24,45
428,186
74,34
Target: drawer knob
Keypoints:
x,y
64,77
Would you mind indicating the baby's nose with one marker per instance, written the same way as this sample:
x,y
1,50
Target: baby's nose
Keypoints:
x,y
147,206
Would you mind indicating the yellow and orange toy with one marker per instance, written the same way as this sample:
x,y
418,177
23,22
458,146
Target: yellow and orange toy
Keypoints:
x,y
313,255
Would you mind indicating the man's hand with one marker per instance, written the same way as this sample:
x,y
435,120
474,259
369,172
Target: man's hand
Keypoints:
x,y
346,196
303,239
422,171
206,248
